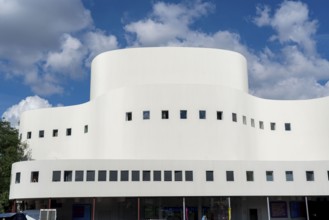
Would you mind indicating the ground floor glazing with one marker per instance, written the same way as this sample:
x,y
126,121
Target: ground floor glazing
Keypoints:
x,y
188,208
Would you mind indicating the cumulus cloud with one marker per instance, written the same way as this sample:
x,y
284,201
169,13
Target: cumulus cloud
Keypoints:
x,y
32,28
167,22
295,70
97,42
12,114
281,70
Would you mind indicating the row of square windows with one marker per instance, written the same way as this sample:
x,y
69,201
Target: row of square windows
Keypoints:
x,y
158,175
165,115
55,132
203,115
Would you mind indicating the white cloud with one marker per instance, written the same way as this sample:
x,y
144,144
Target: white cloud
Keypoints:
x,y
68,60
13,113
167,22
30,30
98,42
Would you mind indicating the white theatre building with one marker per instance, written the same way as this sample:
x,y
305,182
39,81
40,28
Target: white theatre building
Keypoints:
x,y
172,133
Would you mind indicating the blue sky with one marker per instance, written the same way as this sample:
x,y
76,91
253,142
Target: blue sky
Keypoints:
x,y
46,46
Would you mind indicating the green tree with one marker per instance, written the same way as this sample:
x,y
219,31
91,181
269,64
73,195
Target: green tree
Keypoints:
x,y
11,151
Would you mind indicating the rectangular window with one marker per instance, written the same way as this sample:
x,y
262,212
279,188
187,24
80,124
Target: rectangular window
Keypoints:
x,y
234,117
146,175
113,175
68,132
310,175
269,176
202,114
167,175
129,116
67,176
178,175
56,176
156,175
252,122
85,129
55,132
272,126
183,114
261,124
90,175
124,175
289,176
101,175
18,177
146,115
209,175
34,176
287,126
165,114
229,175
244,120
41,133
219,115
29,135
250,176
328,174
79,175
135,175
188,175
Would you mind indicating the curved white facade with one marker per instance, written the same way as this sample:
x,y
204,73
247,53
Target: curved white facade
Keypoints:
x,y
184,110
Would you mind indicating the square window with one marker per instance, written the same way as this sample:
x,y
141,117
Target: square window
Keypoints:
x,y
272,126
129,116
90,175
79,175
289,176
229,175
124,175
188,175
165,114
250,176
310,175
167,175
252,122
55,133
101,175
202,114
68,132
146,175
209,175
146,115
56,176
29,135
67,176
156,175
287,126
219,115
261,124
41,133
244,120
135,175
269,175
18,177
34,176
183,114
234,117
85,129
178,175
113,175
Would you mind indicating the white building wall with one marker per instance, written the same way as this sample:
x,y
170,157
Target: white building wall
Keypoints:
x,y
174,79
